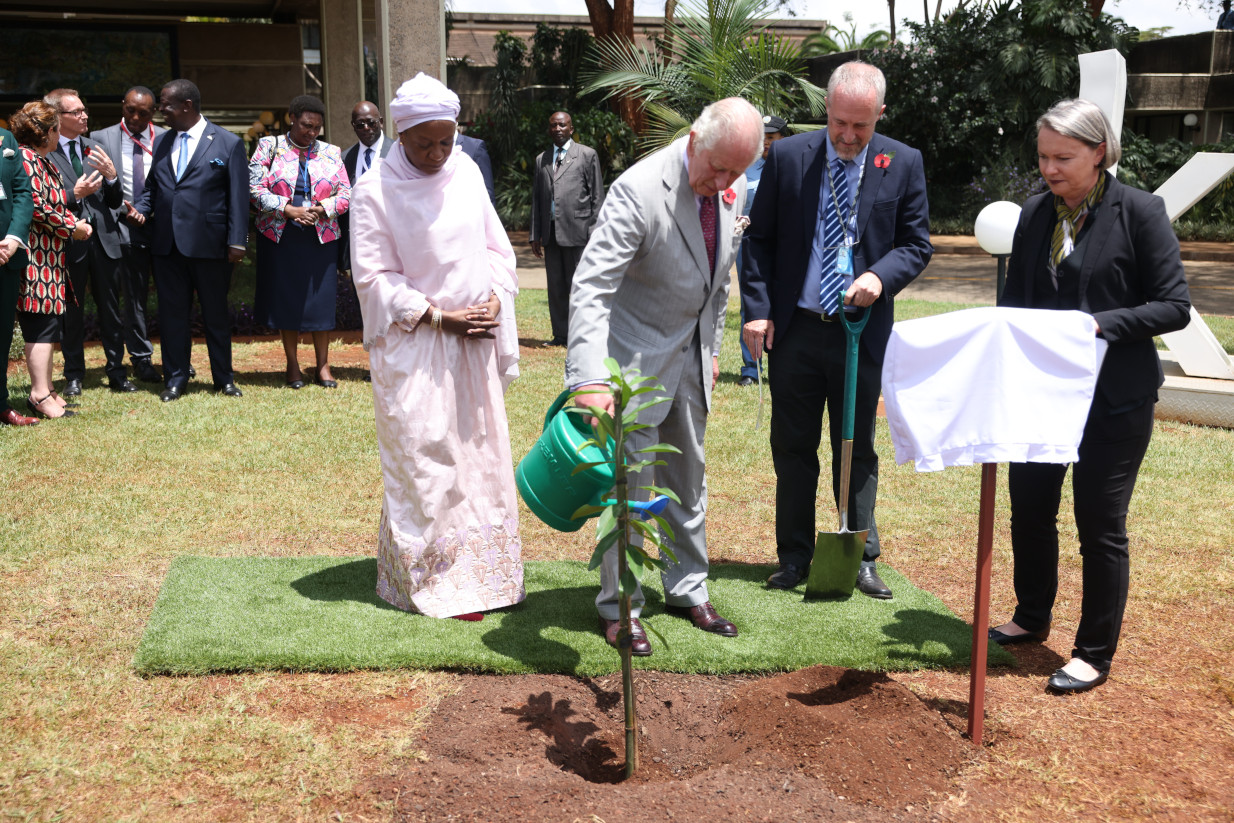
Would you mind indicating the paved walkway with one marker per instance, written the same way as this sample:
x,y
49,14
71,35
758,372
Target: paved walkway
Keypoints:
x,y
961,272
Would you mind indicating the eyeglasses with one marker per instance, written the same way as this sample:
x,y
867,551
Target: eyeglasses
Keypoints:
x,y
82,112
364,124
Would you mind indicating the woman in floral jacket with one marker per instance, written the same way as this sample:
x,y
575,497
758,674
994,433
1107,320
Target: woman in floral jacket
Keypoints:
x,y
299,187
45,289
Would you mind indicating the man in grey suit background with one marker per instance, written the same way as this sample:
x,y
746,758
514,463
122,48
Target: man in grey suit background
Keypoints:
x,y
130,144
566,194
92,188
650,292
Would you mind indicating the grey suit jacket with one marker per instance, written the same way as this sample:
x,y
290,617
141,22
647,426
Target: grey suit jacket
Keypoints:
x,y
578,187
642,289
116,143
98,208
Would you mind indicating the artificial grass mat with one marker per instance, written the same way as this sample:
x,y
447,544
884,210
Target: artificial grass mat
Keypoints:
x,y
321,614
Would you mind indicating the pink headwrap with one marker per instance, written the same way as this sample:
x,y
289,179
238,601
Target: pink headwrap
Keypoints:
x,y
421,99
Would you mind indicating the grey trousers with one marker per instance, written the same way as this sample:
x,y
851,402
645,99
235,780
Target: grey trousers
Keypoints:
x,y
685,583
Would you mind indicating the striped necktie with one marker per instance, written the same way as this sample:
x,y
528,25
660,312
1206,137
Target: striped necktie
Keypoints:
x,y
831,281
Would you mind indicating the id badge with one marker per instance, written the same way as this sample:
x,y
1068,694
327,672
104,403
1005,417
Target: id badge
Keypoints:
x,y
844,261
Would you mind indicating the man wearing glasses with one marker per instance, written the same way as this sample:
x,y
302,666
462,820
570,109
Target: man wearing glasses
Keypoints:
x,y
93,189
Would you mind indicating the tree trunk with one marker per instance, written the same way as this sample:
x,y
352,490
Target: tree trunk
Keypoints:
x,y
891,6
617,20
670,29
1095,6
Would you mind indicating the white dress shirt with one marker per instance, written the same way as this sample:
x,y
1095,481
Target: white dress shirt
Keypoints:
x,y
194,134
361,165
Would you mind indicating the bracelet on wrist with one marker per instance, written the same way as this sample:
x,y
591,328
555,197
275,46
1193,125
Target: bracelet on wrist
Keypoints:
x,y
435,323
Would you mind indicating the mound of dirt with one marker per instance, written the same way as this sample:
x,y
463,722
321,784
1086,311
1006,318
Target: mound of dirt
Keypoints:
x,y
823,743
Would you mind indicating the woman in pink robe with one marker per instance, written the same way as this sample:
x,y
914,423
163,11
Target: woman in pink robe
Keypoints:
x,y
434,272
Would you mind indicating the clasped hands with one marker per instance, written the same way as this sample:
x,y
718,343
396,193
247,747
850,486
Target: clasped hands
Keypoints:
x,y
304,215
476,321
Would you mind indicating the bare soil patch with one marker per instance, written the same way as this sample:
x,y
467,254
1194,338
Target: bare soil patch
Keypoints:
x,y
827,742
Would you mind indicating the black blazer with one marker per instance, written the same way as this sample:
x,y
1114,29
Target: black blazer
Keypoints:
x,y
350,158
207,211
1131,282
893,225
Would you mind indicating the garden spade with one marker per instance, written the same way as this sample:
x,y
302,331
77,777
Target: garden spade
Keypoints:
x,y
837,555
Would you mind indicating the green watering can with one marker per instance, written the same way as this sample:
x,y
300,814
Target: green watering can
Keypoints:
x,y
546,479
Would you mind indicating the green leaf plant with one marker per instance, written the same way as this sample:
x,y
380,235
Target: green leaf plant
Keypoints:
x,y
633,529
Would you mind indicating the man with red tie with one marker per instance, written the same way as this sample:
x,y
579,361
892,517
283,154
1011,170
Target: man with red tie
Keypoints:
x,y
130,144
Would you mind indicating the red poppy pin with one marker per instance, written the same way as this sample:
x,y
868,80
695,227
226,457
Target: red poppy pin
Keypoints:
x,y
729,197
884,160
85,151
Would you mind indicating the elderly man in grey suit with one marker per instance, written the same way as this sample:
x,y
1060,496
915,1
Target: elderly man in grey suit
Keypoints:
x,y
130,144
566,195
650,292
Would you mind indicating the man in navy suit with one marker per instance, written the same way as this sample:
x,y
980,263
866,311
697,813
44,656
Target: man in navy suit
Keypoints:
x,y
474,148
841,207
197,197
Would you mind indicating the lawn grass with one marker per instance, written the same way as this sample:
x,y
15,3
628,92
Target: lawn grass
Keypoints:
x,y
322,614
100,506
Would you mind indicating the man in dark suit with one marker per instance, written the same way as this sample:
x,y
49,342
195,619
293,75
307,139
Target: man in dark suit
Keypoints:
x,y
839,208
130,144
372,145
197,197
474,148
16,207
566,194
92,187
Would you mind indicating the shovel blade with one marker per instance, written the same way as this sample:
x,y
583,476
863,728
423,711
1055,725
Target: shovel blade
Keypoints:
x,y
837,559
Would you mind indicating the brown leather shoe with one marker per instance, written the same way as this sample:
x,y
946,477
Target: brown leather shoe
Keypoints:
x,y
12,417
640,646
705,617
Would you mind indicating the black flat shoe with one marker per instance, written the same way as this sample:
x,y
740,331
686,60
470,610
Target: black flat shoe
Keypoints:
x,y
1063,683
295,384
1011,639
72,388
170,393
124,386
327,384
229,390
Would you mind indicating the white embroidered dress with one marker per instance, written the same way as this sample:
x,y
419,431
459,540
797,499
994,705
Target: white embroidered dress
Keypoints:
x,y
448,541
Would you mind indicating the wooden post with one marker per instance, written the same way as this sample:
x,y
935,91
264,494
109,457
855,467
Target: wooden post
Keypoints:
x,y
981,602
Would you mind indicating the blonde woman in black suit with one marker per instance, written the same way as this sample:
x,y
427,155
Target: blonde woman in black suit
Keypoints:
x,y
1103,248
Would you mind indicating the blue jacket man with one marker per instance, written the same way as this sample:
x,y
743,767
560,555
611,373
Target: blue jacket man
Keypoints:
x,y
197,197
874,189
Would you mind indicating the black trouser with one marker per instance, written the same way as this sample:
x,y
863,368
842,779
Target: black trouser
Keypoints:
x,y
135,283
104,275
559,265
1102,481
806,373
10,283
177,277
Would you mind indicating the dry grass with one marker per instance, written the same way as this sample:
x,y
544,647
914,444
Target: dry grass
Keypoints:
x,y
99,506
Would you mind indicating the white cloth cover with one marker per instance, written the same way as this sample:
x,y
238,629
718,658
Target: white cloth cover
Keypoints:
x,y
448,542
990,385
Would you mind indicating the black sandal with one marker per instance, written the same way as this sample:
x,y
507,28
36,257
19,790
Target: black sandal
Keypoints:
x,y
68,404
33,406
